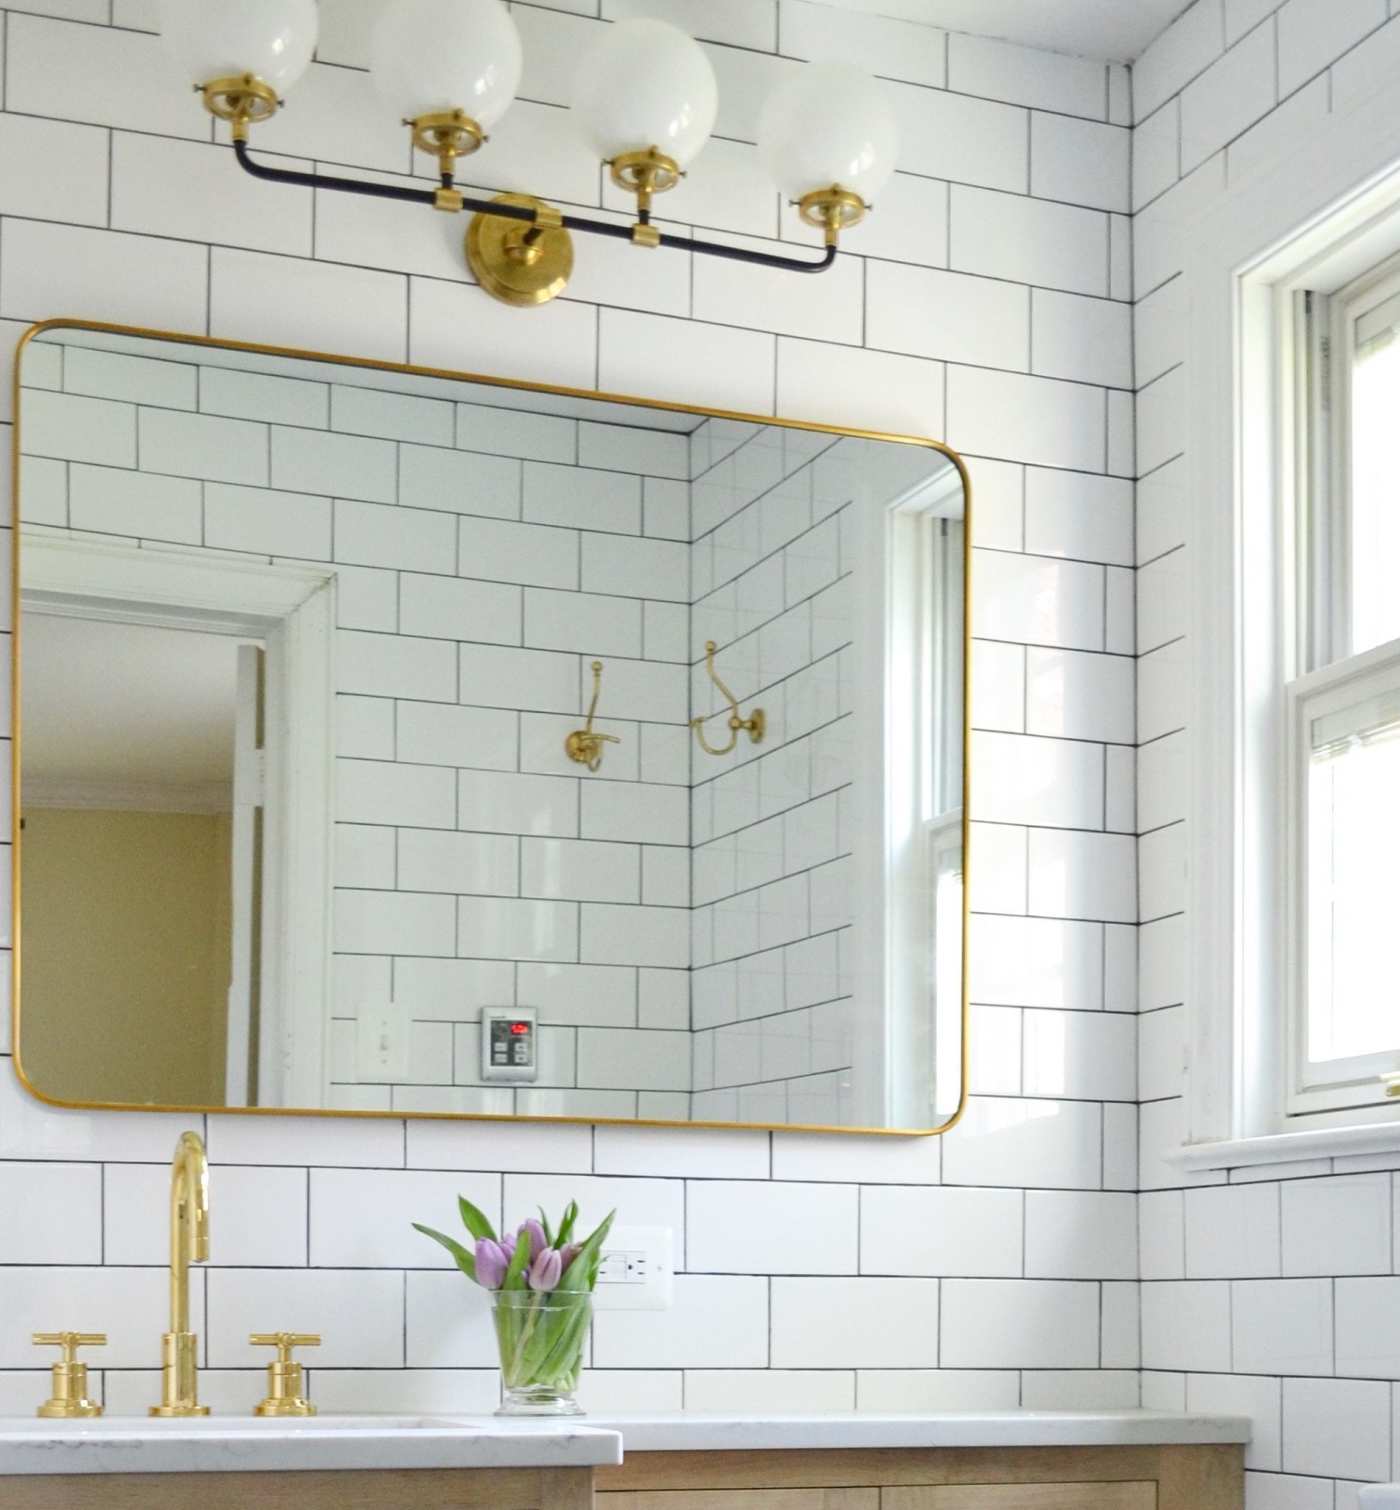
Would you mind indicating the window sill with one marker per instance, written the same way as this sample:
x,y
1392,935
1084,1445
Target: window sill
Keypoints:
x,y
1290,1147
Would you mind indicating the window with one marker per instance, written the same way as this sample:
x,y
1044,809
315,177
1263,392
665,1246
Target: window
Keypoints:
x,y
1342,702
1285,681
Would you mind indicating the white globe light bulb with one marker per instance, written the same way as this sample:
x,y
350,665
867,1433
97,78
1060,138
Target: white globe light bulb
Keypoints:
x,y
646,84
829,124
430,57
217,39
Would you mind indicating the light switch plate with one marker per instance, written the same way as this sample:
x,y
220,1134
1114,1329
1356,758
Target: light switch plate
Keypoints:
x,y
637,1270
381,1043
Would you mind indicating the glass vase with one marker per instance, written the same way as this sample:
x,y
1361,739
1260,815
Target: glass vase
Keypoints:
x,y
541,1339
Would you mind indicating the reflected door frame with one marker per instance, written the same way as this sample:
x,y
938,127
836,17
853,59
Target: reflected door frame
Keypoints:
x,y
292,610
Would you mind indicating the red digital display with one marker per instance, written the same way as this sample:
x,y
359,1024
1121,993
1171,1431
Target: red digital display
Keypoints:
x,y
519,1027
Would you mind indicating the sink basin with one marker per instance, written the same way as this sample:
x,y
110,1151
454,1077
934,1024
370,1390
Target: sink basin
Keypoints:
x,y
1379,1497
210,1444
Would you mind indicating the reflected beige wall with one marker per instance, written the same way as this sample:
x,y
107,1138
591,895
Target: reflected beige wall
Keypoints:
x,y
126,939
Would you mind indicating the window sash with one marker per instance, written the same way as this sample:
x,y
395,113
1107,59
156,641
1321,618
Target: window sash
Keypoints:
x,y
1335,697
1338,327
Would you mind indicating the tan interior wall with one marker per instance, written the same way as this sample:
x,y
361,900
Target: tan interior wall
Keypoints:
x,y
125,931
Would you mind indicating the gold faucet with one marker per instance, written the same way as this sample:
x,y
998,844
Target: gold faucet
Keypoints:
x,y
189,1244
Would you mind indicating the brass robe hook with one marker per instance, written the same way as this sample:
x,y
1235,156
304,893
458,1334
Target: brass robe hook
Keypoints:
x,y
756,724
583,745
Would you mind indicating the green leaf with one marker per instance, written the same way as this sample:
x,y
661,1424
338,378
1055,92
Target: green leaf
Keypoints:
x,y
466,1261
515,1273
474,1220
566,1225
582,1274
548,1230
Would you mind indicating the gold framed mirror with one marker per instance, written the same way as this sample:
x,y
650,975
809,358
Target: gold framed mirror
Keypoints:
x,y
399,742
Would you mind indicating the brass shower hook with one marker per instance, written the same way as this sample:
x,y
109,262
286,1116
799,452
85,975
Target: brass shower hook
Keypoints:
x,y
756,724
583,745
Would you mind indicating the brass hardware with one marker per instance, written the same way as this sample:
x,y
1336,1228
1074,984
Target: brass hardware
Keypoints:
x,y
376,364
242,100
1391,1083
516,261
189,1244
645,235
286,1390
832,210
645,174
70,1378
583,745
448,199
446,135
756,724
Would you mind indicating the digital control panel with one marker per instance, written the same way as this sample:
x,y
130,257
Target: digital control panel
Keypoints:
x,y
509,1044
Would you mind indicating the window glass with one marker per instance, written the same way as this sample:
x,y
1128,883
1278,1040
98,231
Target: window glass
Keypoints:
x,y
1375,479
1353,879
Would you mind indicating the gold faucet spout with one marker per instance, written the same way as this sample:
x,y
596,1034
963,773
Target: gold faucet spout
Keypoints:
x,y
189,1244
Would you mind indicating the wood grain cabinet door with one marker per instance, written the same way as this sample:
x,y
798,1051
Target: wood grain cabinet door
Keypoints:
x,y
1121,1496
742,1499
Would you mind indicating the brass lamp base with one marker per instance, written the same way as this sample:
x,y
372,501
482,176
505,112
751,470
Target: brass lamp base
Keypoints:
x,y
516,262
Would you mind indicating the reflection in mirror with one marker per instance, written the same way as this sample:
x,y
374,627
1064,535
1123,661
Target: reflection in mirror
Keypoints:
x,y
307,650
128,866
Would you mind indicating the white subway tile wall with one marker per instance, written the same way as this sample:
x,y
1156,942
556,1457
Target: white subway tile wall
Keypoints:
x,y
1266,1295
1013,194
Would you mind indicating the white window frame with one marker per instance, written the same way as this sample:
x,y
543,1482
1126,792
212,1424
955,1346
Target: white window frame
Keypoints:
x,y
910,662
1336,201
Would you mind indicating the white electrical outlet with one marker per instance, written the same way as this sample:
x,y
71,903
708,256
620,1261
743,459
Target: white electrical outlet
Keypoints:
x,y
636,1271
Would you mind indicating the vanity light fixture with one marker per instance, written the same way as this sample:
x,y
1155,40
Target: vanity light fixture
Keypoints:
x,y
646,100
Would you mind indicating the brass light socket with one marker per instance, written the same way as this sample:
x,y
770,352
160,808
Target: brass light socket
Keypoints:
x,y
241,99
446,135
645,174
832,210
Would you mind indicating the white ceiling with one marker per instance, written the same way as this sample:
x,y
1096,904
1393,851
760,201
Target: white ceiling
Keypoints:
x,y
1115,30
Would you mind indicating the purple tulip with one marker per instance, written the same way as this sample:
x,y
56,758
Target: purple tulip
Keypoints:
x,y
492,1261
507,1243
567,1254
546,1270
535,1232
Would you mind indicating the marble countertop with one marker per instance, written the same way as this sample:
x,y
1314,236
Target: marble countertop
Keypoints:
x,y
115,1444
1006,1428
227,1444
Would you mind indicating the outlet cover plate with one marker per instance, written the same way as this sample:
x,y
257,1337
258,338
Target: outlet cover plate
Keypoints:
x,y
637,1270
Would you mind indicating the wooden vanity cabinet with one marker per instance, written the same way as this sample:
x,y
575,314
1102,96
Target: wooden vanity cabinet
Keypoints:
x,y
396,1489
1016,1478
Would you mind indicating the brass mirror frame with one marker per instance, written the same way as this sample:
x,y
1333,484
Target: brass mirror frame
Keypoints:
x,y
485,380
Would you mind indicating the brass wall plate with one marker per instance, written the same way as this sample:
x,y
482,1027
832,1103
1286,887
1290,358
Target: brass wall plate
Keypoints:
x,y
508,269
